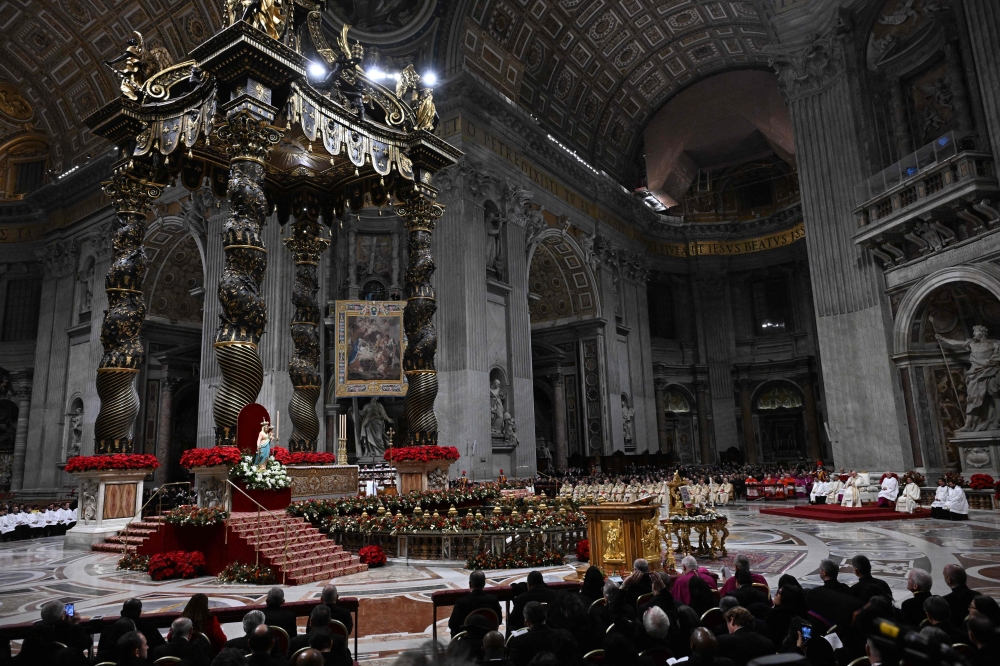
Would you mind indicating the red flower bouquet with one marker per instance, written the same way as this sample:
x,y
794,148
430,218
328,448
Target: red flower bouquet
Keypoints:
x,y
217,456
421,453
176,564
982,482
583,550
372,555
286,457
113,461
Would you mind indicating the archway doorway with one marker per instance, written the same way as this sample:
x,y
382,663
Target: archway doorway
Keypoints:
x,y
780,417
184,430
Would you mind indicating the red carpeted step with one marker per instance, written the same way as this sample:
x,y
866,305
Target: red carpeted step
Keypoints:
x,y
842,514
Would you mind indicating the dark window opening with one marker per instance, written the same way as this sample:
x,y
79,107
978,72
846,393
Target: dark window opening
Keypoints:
x,y
772,307
373,291
20,314
661,310
756,195
28,176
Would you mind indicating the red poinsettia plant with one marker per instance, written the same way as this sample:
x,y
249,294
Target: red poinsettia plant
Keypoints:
x,y
286,457
217,456
421,453
982,482
176,564
113,461
583,550
372,555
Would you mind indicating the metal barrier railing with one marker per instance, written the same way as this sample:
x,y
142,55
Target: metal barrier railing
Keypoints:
x,y
124,532
256,546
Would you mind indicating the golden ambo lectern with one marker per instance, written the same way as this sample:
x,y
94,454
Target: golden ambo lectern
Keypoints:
x,y
622,532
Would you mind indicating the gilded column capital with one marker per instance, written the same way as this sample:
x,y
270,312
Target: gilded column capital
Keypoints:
x,y
247,137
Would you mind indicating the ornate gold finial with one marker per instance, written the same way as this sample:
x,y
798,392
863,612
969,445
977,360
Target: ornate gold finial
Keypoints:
x,y
265,15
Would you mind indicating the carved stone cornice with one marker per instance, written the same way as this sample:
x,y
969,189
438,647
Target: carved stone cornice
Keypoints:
x,y
467,178
103,240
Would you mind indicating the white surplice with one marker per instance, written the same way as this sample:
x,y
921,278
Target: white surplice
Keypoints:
x,y
909,499
956,501
890,489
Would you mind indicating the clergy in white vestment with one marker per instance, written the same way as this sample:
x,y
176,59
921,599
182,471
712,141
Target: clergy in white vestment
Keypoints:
x,y
819,491
958,505
909,499
889,491
852,494
725,492
939,507
833,489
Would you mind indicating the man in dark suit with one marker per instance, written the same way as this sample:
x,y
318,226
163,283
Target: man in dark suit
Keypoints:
x,y
132,650
332,646
251,621
960,596
867,586
261,644
319,618
276,616
537,591
541,638
742,643
918,583
475,600
132,609
746,593
329,597
65,629
939,615
704,647
828,572
193,653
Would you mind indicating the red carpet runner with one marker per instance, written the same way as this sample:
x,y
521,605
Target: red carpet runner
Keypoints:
x,y
841,514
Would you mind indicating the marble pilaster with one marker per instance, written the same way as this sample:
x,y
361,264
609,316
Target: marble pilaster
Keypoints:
x,y
982,18
164,432
210,376
22,391
559,400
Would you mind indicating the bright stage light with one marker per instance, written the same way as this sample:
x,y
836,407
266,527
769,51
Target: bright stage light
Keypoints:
x,y
430,78
316,70
377,75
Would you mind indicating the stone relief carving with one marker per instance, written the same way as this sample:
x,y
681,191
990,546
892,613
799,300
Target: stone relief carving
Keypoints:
x,y
496,407
61,257
628,414
509,431
810,65
87,296
977,457
103,240
468,178
88,494
437,479
212,492
982,379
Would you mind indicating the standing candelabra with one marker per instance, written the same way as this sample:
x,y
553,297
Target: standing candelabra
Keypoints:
x,y
342,440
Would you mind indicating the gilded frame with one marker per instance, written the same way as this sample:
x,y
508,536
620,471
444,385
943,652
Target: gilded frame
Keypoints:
x,y
384,318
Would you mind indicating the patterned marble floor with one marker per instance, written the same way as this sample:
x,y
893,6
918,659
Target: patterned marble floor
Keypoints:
x,y
395,610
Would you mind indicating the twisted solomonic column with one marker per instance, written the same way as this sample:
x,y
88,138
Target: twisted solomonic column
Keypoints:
x,y
419,212
131,191
244,314
306,243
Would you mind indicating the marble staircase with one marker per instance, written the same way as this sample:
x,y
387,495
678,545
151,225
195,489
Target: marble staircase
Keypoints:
x,y
306,556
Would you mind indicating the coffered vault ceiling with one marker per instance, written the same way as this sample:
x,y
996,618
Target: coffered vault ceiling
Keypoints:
x,y
592,71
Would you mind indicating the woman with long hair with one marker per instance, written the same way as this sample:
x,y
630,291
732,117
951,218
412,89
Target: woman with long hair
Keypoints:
x,y
593,585
204,622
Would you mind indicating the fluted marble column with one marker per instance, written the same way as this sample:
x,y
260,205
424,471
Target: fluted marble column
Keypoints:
x,y
559,397
22,391
660,387
746,410
164,430
982,18
209,374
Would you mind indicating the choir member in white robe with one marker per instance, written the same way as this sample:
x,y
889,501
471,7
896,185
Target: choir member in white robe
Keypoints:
x,y
6,525
852,494
833,489
939,507
890,490
909,499
958,505
725,492
819,492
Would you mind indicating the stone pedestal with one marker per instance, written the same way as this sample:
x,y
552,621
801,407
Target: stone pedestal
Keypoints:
x,y
109,499
323,481
417,475
979,452
210,484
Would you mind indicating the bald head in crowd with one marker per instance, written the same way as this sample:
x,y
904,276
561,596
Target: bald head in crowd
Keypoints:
x,y
309,657
703,642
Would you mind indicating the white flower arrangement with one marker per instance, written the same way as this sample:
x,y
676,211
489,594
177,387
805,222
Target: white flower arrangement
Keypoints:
x,y
272,477
707,517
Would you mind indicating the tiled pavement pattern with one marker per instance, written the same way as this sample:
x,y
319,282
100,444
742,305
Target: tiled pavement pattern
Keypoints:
x,y
395,600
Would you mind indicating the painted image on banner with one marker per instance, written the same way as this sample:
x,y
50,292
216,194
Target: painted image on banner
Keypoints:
x,y
374,348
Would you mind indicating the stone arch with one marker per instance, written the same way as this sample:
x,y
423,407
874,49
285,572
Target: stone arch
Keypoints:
x,y
561,285
986,276
174,269
681,423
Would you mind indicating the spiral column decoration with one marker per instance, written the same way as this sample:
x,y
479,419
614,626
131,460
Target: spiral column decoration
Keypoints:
x,y
248,141
419,212
306,243
131,191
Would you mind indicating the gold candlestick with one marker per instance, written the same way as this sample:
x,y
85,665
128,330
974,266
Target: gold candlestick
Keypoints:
x,y
342,441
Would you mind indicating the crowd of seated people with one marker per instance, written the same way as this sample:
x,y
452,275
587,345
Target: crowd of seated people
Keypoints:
x,y
695,617
21,521
62,638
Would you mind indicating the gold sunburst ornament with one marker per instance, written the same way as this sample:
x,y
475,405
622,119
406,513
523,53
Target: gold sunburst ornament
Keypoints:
x,y
265,15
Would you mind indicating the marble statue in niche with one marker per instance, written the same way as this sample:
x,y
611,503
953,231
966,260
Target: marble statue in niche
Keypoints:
x,y
494,242
628,414
374,439
509,431
982,379
87,295
75,432
496,407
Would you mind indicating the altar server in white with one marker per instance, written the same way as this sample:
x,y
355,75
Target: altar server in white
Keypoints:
x,y
958,505
909,499
889,491
819,491
939,507
833,490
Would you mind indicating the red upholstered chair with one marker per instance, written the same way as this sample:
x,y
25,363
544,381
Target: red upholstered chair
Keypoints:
x,y
337,627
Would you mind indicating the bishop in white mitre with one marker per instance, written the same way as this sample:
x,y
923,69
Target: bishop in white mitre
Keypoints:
x,y
889,491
